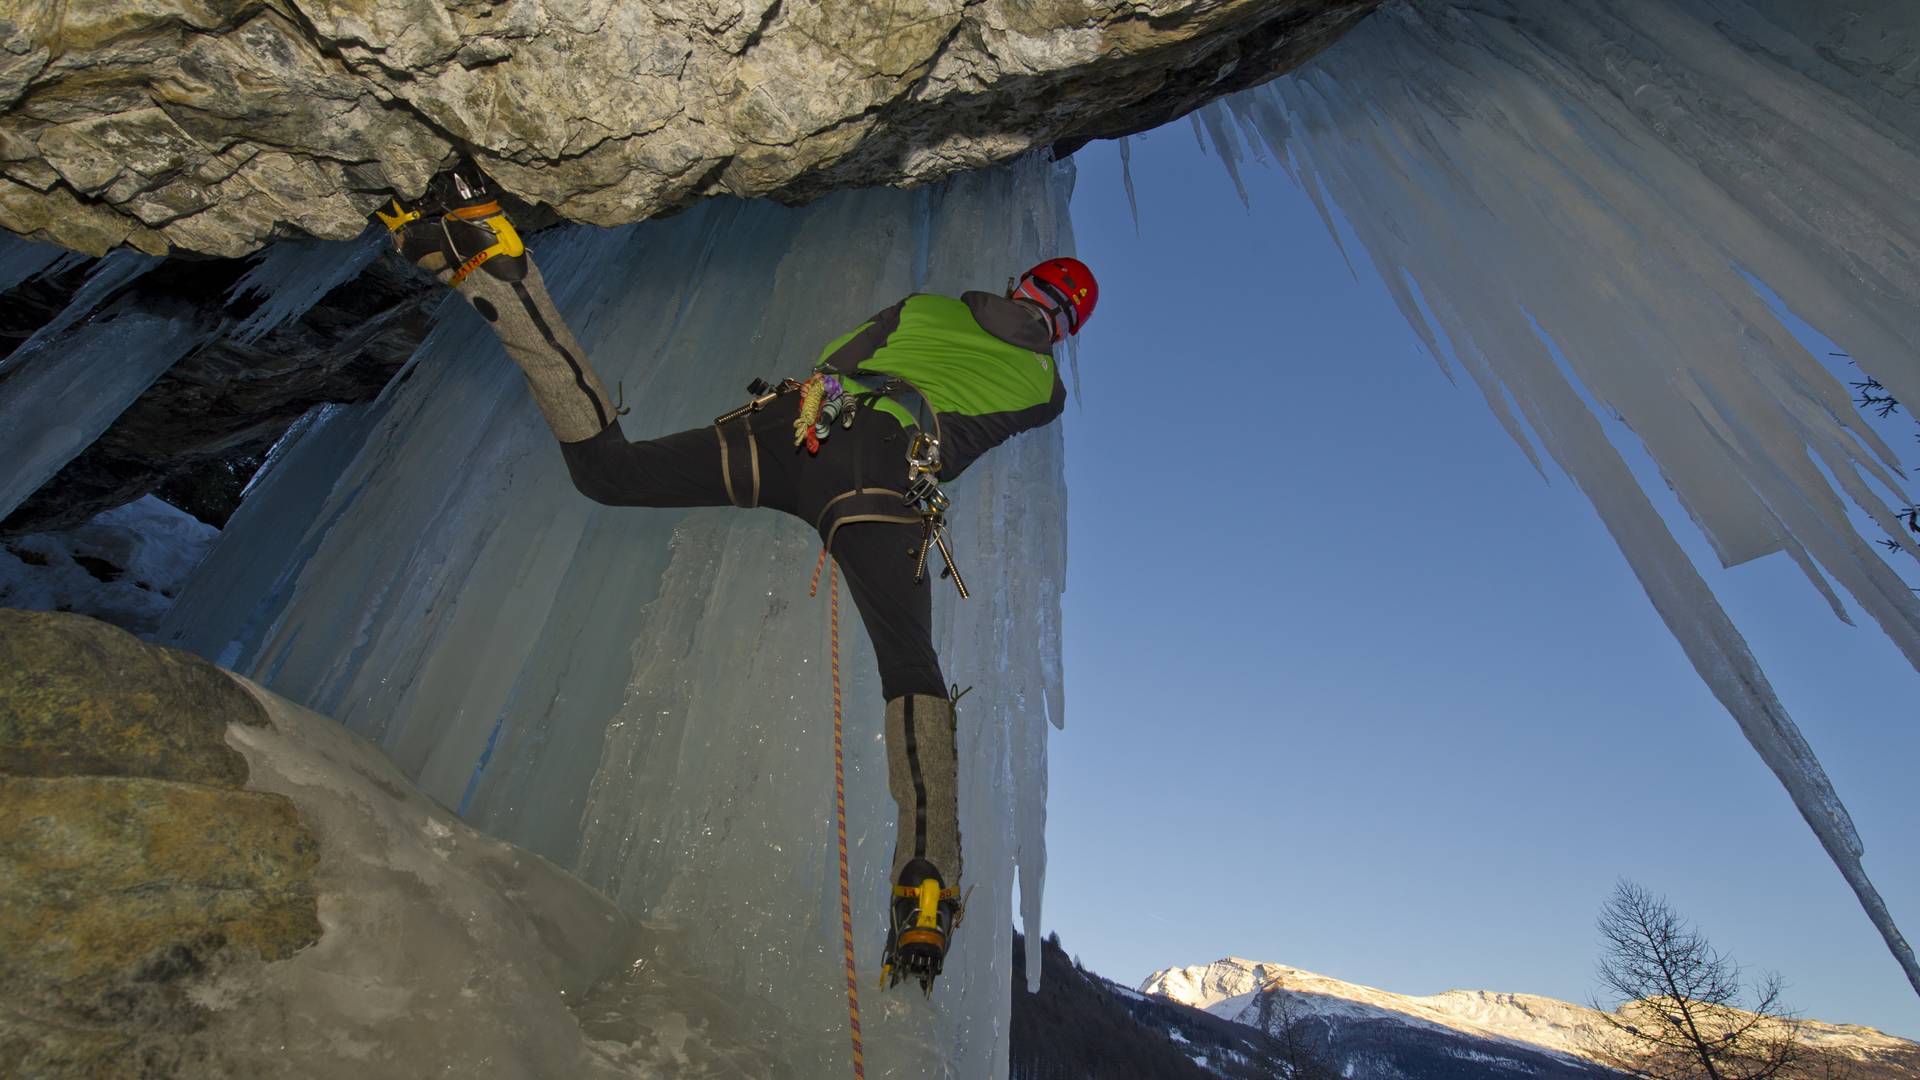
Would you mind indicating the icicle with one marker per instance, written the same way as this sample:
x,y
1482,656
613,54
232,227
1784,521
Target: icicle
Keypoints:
x,y
293,275
56,401
23,259
1226,142
1126,180
1571,195
116,271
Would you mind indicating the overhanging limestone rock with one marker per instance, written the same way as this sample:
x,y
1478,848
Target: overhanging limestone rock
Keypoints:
x,y
211,126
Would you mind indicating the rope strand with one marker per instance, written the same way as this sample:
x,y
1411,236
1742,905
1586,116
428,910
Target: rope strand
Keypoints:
x,y
840,818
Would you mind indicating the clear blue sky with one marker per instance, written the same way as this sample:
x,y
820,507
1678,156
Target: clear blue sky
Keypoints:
x,y
1349,687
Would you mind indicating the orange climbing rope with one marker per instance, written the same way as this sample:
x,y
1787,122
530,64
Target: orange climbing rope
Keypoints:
x,y
840,812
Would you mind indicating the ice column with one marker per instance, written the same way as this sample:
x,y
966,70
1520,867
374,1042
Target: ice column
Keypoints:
x,y
64,385
293,275
643,694
75,375
1567,198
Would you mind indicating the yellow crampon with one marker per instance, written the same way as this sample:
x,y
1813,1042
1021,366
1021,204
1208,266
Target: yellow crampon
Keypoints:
x,y
926,919
399,218
506,241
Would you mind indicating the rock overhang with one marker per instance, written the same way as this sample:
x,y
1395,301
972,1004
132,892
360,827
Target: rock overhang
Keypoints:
x,y
212,127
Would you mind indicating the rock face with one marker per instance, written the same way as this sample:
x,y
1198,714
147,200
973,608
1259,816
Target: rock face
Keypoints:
x,y
200,879
130,857
211,126
78,698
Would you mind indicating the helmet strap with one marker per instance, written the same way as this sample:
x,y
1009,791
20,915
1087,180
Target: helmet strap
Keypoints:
x,y
1059,315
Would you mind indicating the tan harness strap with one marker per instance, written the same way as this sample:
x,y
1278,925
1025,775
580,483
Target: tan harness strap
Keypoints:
x,y
862,504
752,453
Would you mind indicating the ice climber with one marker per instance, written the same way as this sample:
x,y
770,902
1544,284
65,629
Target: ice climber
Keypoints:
x,y
979,369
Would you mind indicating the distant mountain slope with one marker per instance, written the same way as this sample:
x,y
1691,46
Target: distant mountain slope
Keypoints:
x,y
1084,1027
1365,1021
1225,1021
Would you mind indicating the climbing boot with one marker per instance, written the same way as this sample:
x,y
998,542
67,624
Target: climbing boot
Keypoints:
x,y
923,775
456,228
925,912
458,232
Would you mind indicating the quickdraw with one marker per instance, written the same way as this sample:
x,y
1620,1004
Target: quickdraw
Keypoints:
x,y
924,495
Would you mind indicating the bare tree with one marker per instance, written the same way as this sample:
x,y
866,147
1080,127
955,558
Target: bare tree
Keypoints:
x,y
1679,1012
1282,1017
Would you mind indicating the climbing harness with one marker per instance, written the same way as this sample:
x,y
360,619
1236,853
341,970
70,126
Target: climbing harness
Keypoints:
x,y
748,449
826,398
840,813
923,495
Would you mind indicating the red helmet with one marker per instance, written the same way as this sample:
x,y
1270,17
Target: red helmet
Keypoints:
x,y
1065,287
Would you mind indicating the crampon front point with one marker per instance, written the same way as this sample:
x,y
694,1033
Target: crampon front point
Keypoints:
x,y
924,918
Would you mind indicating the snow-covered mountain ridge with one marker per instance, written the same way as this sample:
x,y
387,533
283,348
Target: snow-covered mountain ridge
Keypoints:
x,y
1232,988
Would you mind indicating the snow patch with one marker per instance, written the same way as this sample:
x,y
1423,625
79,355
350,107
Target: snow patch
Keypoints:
x,y
124,566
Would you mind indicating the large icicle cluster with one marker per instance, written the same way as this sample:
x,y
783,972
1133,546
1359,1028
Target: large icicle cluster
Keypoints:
x,y
76,374
64,385
1572,200
643,695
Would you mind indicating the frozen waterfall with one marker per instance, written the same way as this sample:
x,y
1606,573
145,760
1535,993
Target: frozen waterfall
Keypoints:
x,y
642,695
73,377
1572,202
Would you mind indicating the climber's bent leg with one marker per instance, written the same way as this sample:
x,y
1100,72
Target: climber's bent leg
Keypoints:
x,y
678,470
565,387
684,469
720,465
922,757
462,236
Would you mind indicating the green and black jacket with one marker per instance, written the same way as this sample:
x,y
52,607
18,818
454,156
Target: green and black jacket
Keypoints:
x,y
983,363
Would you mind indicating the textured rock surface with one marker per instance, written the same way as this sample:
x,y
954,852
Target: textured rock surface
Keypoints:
x,y
130,860
80,698
211,125
211,882
447,952
113,887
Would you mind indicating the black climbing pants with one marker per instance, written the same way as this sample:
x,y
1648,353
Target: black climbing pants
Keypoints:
x,y
751,461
